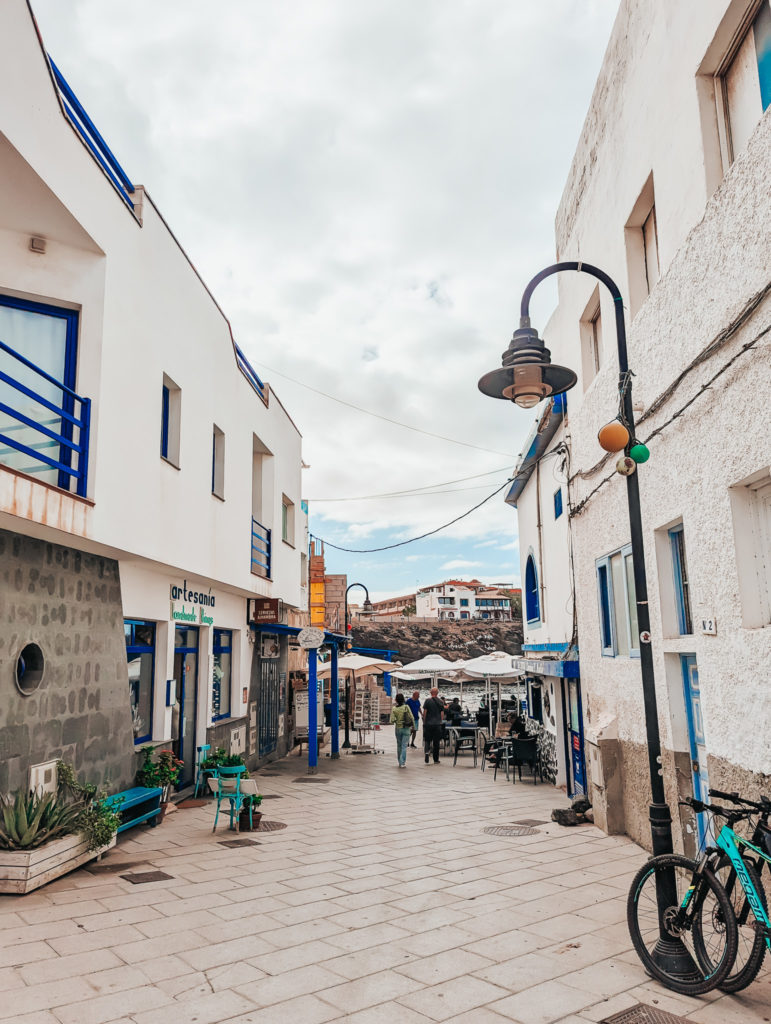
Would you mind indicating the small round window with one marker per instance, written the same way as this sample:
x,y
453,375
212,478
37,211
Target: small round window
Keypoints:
x,y
29,669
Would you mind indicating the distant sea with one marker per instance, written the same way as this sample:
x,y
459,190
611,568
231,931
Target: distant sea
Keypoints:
x,y
472,692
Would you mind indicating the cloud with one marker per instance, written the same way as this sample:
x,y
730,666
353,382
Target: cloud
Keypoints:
x,y
460,563
511,546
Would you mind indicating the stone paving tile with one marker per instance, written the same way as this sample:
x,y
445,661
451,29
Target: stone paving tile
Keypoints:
x,y
442,1002
381,987
550,1001
298,982
304,1009
206,1009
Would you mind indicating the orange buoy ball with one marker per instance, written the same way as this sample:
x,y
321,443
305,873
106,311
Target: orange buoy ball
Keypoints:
x,y
613,437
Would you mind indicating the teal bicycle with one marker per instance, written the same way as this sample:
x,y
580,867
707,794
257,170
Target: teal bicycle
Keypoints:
x,y
737,861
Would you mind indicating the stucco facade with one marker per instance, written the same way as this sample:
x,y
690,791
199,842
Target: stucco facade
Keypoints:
x,y
681,224
187,449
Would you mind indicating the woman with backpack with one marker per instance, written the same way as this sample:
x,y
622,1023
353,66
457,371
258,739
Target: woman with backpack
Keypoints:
x,y
404,723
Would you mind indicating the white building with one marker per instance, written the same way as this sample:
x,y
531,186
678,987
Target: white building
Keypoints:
x,y
669,195
176,471
460,600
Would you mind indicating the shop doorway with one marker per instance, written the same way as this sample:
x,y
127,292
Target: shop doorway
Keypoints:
x,y
574,725
185,711
267,704
696,738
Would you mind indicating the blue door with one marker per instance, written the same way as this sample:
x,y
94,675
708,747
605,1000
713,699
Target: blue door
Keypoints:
x,y
696,736
575,726
185,710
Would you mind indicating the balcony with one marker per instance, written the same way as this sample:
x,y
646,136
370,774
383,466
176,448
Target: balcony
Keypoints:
x,y
260,550
40,436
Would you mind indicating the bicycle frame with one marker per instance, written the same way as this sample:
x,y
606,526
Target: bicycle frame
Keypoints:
x,y
729,842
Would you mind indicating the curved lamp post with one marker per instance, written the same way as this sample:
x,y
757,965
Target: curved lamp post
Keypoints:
x,y
367,609
526,377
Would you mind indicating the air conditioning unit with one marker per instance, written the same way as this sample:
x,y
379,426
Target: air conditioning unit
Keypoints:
x,y
43,777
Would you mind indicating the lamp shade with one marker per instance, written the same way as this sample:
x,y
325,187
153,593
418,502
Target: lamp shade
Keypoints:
x,y
527,375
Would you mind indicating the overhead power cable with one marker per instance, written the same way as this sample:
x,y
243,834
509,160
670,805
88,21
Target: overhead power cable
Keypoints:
x,y
429,533
416,491
386,419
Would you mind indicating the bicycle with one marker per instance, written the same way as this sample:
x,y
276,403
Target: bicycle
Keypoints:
x,y
738,862
682,923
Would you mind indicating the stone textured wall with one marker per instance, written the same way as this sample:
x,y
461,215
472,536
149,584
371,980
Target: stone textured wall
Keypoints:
x,y
69,603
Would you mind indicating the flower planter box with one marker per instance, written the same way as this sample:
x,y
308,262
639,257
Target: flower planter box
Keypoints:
x,y
22,872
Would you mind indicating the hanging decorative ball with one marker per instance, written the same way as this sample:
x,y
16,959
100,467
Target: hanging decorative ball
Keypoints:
x,y
639,452
613,437
626,466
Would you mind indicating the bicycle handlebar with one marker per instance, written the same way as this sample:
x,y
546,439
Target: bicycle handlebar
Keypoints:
x,y
763,805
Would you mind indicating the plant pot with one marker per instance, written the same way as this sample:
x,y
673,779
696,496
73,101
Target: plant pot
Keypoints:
x,y
23,871
167,807
243,821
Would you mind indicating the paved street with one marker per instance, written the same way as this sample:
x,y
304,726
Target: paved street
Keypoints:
x,y
381,901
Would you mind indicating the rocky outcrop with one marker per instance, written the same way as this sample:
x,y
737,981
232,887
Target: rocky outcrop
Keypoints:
x,y
454,640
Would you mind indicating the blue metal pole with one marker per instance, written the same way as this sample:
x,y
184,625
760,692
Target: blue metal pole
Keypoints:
x,y
334,689
313,724
387,677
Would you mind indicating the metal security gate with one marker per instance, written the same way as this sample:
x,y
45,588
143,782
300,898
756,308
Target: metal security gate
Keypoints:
x,y
267,707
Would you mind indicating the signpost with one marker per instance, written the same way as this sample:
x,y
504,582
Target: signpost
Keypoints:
x,y
266,610
310,639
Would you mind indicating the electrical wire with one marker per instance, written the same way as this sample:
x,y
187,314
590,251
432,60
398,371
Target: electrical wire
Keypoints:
x,y
386,419
429,533
416,490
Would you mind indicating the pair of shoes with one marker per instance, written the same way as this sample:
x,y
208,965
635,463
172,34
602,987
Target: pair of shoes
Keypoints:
x,y
437,762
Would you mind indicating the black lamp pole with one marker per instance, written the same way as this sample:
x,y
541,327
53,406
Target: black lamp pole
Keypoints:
x,y
347,720
528,375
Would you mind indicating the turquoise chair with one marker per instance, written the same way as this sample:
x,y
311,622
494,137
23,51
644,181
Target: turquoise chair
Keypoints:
x,y
201,773
226,785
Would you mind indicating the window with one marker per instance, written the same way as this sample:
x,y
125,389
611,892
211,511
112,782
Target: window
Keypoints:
x,y
591,339
751,508
642,247
47,336
682,586
464,602
140,653
619,629
446,600
743,82
221,678
287,520
171,413
558,503
218,463
532,601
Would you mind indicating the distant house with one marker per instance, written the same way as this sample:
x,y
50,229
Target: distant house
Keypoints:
x,y
463,599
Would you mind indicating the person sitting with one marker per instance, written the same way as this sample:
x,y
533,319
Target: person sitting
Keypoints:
x,y
454,712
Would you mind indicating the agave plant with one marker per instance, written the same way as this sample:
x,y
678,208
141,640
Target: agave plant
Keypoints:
x,y
29,820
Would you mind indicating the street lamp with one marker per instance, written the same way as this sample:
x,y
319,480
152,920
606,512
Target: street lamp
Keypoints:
x,y
526,377
367,609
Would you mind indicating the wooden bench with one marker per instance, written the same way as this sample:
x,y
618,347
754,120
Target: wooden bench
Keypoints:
x,y
136,805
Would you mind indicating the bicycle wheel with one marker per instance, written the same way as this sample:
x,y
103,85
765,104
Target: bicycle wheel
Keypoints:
x,y
752,944
670,954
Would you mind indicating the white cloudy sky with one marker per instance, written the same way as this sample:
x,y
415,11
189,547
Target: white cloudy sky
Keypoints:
x,y
366,186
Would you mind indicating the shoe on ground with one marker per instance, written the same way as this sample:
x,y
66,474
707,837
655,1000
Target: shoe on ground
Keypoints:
x,y
426,758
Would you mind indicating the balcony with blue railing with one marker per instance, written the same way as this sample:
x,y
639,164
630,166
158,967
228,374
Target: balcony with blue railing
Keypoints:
x,y
260,550
44,425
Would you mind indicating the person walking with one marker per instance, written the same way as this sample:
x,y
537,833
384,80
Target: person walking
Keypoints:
x,y
433,713
402,720
413,703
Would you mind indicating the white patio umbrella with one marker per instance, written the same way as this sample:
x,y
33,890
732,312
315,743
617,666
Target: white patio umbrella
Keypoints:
x,y
497,665
432,665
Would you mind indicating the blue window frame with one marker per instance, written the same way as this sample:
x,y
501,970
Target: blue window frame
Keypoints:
x,y
619,628
558,503
222,674
464,602
165,422
140,654
532,600
47,337
682,586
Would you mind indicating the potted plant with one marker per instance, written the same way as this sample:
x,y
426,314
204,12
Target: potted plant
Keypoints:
x,y
163,773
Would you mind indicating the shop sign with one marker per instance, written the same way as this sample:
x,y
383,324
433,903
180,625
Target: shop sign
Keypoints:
x,y
310,638
265,610
195,615
190,596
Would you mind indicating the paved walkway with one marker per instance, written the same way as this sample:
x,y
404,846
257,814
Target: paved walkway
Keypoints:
x,y
382,901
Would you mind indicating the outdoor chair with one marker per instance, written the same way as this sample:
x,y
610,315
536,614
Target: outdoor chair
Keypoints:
x,y
490,745
460,743
524,752
228,785
201,773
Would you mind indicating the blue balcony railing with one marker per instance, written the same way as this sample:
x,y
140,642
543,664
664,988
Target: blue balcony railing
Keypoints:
x,y
248,371
54,438
260,550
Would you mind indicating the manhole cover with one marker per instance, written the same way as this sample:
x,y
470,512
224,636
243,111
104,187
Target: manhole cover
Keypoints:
x,y
271,796
192,803
528,821
510,830
270,826
148,876
269,775
118,865
234,843
310,778
642,1014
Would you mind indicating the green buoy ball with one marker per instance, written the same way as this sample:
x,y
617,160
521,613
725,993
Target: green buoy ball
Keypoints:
x,y
639,452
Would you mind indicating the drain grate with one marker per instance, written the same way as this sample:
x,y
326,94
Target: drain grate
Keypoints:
x,y
642,1014
107,867
271,796
311,778
235,843
269,775
528,821
148,876
510,830
270,826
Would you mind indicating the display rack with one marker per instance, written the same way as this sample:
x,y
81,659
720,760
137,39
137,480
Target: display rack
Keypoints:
x,y
366,719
